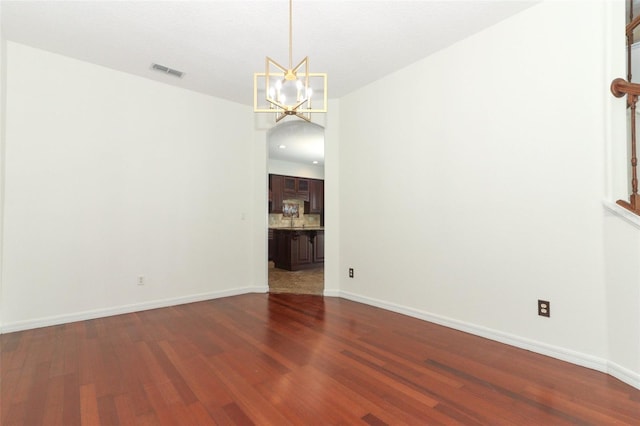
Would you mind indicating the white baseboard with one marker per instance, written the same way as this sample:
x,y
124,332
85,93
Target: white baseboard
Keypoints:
x,y
624,375
584,360
124,309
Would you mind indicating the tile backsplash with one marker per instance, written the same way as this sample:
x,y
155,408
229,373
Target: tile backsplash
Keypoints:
x,y
278,220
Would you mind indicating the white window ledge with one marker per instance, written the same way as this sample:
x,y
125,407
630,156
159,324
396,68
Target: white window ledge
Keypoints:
x,y
621,212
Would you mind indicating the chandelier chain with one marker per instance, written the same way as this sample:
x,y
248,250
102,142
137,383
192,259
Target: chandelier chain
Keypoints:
x,y
290,34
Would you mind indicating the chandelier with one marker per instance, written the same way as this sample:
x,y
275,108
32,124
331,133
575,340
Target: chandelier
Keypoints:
x,y
289,90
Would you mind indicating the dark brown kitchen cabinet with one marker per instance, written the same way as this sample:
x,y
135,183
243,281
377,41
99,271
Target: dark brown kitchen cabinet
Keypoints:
x,y
276,190
318,247
302,188
298,249
289,185
281,188
296,188
316,196
301,250
272,245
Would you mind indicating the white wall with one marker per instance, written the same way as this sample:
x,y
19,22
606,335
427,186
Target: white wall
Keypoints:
x,y
289,168
332,199
482,192
3,109
622,237
622,251
260,207
110,176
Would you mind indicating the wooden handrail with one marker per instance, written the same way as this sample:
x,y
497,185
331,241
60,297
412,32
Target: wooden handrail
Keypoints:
x,y
621,87
633,24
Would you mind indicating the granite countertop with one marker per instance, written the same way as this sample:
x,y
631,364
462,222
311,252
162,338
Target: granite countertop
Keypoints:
x,y
299,228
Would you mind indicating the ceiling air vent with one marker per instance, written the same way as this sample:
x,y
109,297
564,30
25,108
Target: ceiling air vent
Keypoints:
x,y
167,70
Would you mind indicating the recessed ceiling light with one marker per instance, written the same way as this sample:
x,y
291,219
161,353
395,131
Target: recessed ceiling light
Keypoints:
x,y
315,161
282,146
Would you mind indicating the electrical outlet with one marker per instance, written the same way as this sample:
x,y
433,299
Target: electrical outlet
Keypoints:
x,y
350,272
140,279
544,308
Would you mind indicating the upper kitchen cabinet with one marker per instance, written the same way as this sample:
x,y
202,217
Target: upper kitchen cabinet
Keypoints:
x,y
296,188
316,196
276,191
281,188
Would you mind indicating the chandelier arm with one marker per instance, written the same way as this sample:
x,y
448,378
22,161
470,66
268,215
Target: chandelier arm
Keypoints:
x,y
304,117
305,62
272,62
299,104
287,107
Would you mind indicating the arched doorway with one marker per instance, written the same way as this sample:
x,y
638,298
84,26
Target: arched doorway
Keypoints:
x,y
296,208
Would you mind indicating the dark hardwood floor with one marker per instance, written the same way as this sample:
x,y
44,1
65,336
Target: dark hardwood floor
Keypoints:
x,y
291,359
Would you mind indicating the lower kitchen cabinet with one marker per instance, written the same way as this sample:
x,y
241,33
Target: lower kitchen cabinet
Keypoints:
x,y
272,245
318,248
298,249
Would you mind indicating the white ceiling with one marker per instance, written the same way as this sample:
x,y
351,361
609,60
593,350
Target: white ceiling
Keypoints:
x,y
220,44
297,141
